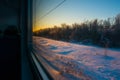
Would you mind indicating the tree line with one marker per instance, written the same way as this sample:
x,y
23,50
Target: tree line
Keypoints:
x,y
98,32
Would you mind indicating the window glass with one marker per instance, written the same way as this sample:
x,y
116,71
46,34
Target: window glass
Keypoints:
x,y
78,39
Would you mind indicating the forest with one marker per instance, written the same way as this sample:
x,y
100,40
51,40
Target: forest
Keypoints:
x,y
97,32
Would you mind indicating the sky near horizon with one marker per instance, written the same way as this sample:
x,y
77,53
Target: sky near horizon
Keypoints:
x,y
72,11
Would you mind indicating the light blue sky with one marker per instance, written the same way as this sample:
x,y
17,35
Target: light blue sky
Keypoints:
x,y
74,11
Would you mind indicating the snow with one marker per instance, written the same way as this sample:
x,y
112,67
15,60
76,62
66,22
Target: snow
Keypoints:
x,y
79,62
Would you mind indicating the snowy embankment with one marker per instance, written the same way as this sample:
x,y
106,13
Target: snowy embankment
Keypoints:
x,y
79,61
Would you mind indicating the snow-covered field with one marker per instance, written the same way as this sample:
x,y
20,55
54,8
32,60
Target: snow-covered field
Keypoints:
x,y
78,62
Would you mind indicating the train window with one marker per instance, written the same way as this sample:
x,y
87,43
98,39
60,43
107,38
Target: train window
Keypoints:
x,y
77,39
